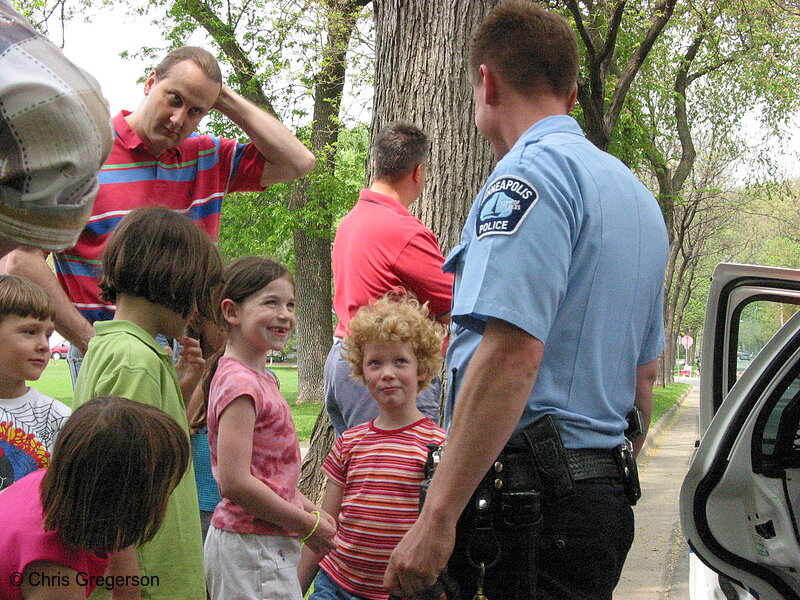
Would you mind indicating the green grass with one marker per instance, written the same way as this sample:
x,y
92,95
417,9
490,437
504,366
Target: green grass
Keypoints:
x,y
664,398
55,382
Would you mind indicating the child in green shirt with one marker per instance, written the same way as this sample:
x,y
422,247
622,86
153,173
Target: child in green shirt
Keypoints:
x,y
158,269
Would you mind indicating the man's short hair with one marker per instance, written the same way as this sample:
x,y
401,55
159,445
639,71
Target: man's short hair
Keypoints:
x,y
23,298
162,256
528,47
202,58
398,148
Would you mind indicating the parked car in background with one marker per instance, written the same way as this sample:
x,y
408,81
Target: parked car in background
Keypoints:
x,y
59,350
740,500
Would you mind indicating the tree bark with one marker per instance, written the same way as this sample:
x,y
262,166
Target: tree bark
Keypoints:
x,y
312,242
421,77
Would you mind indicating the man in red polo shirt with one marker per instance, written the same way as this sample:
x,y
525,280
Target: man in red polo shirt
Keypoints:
x,y
380,247
158,159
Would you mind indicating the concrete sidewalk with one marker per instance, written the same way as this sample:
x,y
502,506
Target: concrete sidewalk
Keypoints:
x,y
657,567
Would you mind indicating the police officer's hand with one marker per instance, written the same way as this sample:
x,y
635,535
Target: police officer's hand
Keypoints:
x,y
420,556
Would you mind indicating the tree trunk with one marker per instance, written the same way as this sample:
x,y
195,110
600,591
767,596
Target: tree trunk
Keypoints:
x,y
421,77
314,327
312,481
312,239
312,242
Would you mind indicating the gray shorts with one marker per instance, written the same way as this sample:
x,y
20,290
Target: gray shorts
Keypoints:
x,y
251,566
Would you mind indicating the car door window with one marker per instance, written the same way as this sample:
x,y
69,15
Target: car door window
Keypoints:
x,y
776,444
753,324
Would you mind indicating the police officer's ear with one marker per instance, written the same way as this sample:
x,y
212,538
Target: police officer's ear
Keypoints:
x,y
488,84
573,98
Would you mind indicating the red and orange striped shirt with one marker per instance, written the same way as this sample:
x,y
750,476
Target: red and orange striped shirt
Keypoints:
x,y
380,472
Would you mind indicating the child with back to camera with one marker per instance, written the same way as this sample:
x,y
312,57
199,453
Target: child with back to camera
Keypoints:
x,y
159,269
375,469
252,548
113,468
29,420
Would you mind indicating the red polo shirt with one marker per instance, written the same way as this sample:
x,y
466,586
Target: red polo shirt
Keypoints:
x,y
379,247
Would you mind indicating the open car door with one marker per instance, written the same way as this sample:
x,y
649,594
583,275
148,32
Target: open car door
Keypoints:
x,y
740,500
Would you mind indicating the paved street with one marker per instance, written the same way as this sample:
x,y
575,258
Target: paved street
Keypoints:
x,y
658,564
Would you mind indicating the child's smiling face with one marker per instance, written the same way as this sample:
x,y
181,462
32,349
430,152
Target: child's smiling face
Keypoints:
x,y
391,372
266,318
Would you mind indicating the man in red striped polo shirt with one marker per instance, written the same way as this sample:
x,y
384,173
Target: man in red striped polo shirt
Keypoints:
x,y
157,158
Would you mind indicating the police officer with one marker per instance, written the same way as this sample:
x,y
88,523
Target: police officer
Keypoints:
x,y
557,312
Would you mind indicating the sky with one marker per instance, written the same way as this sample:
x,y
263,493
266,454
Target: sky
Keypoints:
x,y
96,48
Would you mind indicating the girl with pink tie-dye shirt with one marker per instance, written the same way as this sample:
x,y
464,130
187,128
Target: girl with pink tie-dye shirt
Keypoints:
x,y
253,545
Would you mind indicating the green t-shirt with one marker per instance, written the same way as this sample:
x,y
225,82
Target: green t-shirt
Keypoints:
x,y
124,360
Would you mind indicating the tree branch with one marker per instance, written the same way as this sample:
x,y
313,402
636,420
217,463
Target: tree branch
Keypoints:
x,y
224,36
575,11
607,52
688,151
661,16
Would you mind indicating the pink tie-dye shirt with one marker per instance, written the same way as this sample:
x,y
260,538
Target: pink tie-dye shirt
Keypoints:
x,y
276,450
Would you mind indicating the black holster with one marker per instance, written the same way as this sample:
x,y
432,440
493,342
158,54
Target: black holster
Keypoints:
x,y
497,532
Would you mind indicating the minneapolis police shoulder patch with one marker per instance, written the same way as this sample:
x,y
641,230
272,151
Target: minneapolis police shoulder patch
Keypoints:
x,y
505,204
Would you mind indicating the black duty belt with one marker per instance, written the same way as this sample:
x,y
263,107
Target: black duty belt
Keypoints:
x,y
588,463
584,463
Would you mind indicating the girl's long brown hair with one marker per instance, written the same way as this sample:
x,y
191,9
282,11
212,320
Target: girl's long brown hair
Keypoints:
x,y
241,278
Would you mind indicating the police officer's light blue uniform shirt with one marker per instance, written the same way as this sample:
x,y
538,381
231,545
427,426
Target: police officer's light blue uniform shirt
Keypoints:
x,y
566,244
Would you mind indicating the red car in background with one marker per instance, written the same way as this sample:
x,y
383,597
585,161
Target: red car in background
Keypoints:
x,y
59,350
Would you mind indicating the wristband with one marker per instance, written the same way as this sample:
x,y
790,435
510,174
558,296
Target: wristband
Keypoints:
x,y
313,529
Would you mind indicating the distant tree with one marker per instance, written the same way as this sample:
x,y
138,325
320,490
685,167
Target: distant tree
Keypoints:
x,y
718,63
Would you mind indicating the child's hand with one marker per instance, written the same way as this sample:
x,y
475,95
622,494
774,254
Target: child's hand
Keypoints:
x,y
321,542
329,518
190,365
